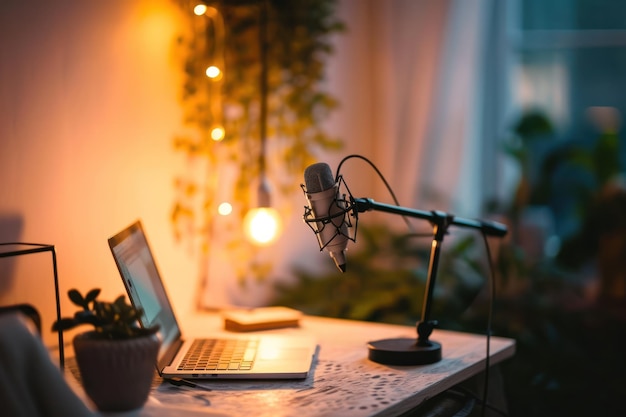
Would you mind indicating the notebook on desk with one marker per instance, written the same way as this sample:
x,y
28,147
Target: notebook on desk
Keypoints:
x,y
251,357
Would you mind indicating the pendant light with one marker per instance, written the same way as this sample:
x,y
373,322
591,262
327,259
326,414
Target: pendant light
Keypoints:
x,y
262,224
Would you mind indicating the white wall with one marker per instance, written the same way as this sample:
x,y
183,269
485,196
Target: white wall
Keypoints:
x,y
88,109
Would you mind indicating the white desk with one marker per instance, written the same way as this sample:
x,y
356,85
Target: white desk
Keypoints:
x,y
343,382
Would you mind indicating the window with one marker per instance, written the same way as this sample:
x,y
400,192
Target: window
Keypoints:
x,y
570,62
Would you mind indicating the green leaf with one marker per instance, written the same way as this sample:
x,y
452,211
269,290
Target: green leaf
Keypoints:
x,y
92,295
64,324
77,298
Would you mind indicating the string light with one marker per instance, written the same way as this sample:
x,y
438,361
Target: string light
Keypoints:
x,y
225,208
200,9
262,224
214,73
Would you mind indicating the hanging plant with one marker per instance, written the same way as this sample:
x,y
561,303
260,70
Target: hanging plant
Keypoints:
x,y
224,114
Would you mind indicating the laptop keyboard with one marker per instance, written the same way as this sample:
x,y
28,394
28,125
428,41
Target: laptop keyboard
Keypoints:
x,y
219,355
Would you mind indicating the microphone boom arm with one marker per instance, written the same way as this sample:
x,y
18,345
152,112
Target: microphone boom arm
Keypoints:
x,y
332,235
367,204
425,351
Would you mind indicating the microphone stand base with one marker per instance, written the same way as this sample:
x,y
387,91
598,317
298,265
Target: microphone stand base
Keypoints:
x,y
404,351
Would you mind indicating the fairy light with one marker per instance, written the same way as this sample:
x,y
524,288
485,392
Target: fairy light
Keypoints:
x,y
218,133
200,9
213,72
225,208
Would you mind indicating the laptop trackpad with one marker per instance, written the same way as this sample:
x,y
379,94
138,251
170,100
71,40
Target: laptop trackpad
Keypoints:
x,y
281,353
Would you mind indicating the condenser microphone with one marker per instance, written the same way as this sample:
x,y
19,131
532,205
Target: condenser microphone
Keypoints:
x,y
328,211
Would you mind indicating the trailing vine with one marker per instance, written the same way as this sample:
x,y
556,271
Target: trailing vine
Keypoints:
x,y
298,44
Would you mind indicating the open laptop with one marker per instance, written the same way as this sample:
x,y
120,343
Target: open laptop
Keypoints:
x,y
255,357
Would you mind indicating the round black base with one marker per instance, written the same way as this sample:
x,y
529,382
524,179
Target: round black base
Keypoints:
x,y
403,352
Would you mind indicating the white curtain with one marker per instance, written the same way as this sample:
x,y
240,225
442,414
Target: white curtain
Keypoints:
x,y
408,50
430,94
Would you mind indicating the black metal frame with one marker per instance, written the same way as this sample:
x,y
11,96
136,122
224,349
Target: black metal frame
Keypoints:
x,y
30,248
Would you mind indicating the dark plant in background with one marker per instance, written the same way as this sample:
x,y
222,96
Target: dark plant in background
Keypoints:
x,y
563,175
386,277
567,335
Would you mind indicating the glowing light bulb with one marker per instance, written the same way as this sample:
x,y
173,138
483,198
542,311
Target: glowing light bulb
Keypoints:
x,y
262,225
217,133
213,72
200,9
225,208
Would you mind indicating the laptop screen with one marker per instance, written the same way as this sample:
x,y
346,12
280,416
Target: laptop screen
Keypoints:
x,y
143,283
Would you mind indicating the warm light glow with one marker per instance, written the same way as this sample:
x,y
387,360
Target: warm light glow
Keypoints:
x,y
262,225
225,208
200,9
213,72
270,349
217,133
269,352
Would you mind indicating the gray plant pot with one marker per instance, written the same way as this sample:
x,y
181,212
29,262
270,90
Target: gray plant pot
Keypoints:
x,y
116,374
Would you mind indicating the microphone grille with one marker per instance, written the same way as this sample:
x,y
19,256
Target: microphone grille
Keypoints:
x,y
318,177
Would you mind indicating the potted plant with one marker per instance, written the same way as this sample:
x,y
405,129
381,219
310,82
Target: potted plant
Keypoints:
x,y
117,358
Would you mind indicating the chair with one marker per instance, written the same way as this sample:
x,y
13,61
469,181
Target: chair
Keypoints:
x,y
27,310
31,385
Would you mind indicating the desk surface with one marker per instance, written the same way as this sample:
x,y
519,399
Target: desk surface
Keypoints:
x,y
342,380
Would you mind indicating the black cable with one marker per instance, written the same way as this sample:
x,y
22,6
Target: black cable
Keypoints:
x,y
380,174
492,296
467,392
382,177
181,382
263,87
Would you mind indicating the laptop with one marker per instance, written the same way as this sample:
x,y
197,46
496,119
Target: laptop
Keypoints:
x,y
252,357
